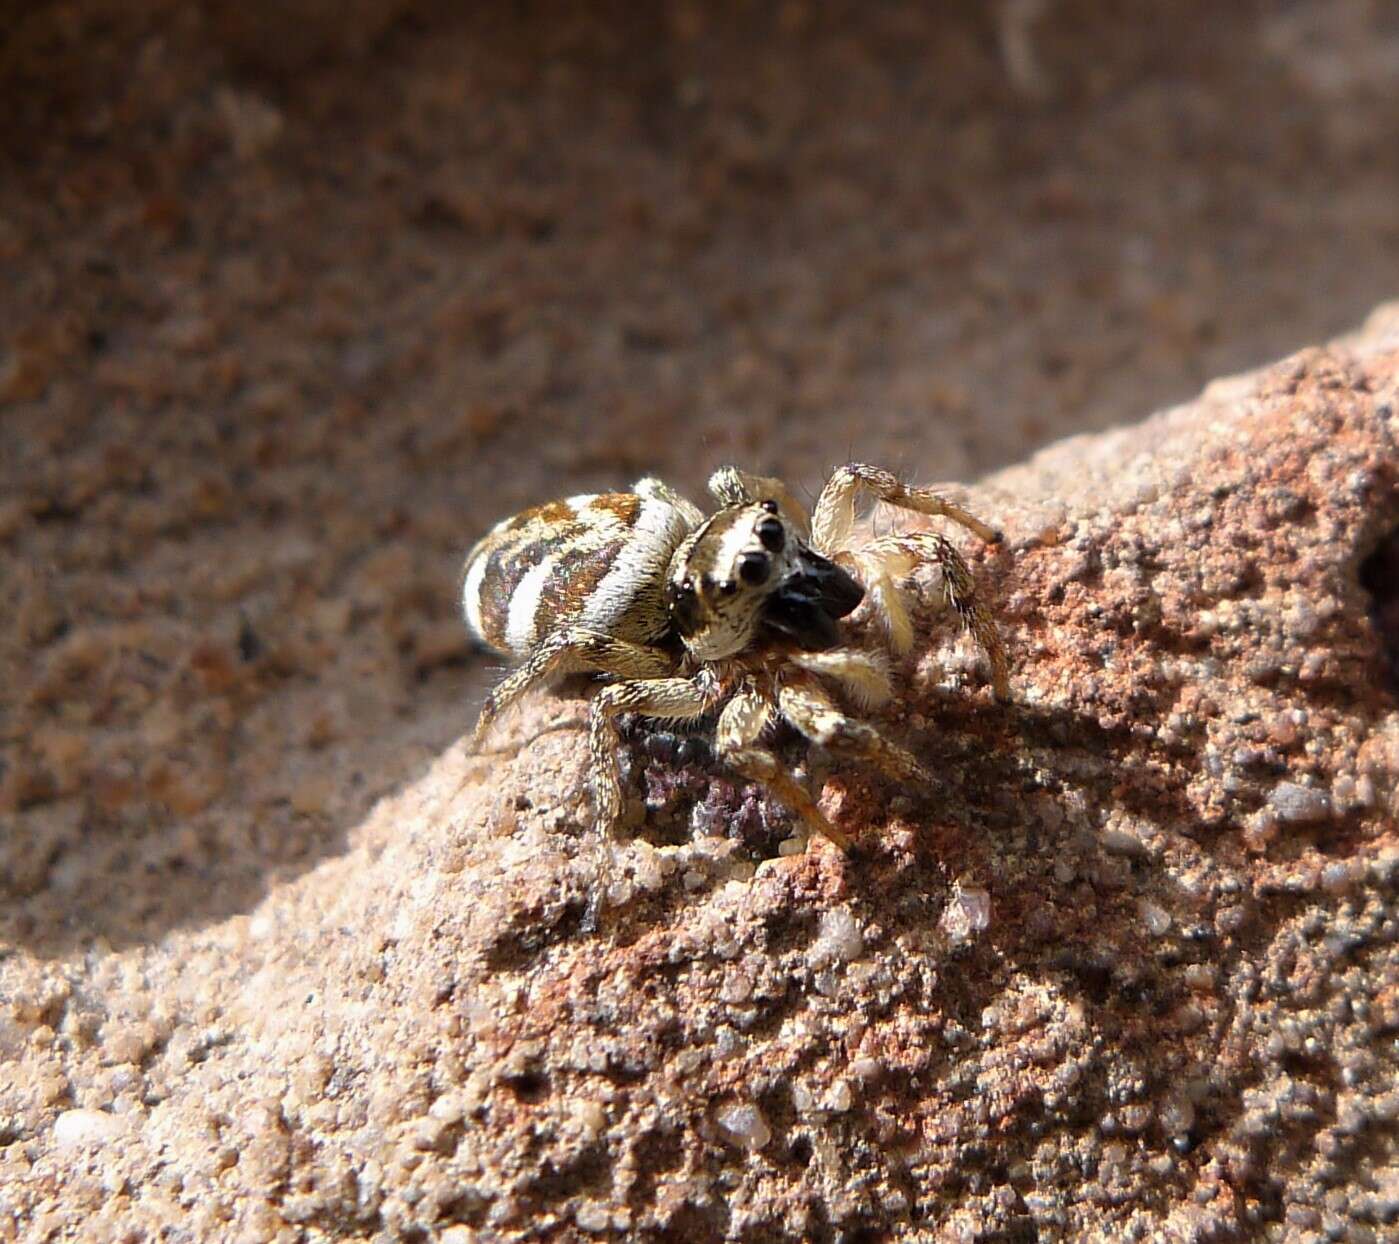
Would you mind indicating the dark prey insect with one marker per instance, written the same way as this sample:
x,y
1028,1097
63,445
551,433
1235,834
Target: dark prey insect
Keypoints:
x,y
738,611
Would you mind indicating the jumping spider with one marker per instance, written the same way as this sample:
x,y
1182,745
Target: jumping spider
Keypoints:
x,y
740,609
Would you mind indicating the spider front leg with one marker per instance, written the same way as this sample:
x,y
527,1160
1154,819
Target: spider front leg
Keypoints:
x,y
834,517
891,557
676,699
743,720
863,675
813,712
571,651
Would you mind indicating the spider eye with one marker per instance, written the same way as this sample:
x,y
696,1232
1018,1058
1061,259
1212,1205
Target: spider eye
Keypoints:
x,y
753,568
684,606
770,506
772,534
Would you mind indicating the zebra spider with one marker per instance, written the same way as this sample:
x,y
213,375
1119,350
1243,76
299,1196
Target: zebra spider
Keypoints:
x,y
686,614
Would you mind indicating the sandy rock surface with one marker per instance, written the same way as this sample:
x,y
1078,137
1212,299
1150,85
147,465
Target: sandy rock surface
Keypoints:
x,y
1130,968
287,319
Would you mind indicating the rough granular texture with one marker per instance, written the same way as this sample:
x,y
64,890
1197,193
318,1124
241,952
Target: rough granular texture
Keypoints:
x,y
1130,970
1380,575
287,320
298,298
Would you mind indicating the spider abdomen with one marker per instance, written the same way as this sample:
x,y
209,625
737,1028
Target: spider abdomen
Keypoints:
x,y
596,561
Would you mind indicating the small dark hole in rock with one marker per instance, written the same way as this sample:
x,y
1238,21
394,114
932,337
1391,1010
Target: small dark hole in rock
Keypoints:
x,y
1379,574
250,645
529,1086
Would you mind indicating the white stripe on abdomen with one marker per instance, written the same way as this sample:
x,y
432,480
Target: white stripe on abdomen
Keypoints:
x,y
524,604
471,595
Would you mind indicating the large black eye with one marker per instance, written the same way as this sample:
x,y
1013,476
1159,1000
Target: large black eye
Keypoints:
x,y
772,534
753,568
684,606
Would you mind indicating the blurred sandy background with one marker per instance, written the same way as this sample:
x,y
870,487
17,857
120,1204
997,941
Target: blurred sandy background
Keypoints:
x,y
297,298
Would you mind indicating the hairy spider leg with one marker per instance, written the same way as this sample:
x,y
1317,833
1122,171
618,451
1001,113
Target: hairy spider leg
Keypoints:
x,y
743,720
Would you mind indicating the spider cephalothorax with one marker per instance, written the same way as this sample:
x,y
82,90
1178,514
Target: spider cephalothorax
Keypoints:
x,y
746,576
739,611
